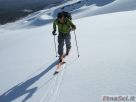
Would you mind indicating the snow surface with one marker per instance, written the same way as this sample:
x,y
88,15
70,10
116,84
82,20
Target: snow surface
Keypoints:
x,y
106,66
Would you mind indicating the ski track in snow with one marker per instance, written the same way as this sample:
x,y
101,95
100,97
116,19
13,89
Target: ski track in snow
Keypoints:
x,y
54,87
55,84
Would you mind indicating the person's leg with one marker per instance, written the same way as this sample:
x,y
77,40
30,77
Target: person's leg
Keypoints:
x,y
68,43
60,45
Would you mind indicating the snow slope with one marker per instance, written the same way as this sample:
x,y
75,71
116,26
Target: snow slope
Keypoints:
x,y
78,8
25,4
106,65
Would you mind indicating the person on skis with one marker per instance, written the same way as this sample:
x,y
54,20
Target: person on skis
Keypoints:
x,y
65,25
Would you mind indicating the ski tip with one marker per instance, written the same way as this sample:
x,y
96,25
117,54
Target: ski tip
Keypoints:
x,y
56,72
64,62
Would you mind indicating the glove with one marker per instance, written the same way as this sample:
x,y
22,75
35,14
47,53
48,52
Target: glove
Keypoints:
x,y
73,28
54,32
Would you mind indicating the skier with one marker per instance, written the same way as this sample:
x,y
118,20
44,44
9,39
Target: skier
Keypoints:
x,y
65,25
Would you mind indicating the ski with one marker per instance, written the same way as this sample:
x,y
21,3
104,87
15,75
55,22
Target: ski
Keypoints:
x,y
59,65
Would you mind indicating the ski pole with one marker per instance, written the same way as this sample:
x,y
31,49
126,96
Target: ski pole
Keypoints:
x,y
55,46
76,43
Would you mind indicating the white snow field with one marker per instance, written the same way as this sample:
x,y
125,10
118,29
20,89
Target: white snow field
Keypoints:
x,y
106,66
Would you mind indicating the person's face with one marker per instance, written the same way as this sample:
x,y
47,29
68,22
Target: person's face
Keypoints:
x,y
61,19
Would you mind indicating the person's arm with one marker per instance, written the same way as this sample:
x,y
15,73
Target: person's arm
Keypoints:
x,y
71,24
54,27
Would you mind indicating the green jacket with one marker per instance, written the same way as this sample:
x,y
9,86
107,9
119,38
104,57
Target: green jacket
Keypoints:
x,y
64,27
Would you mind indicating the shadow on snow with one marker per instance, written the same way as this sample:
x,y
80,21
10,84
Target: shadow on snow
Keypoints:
x,y
23,88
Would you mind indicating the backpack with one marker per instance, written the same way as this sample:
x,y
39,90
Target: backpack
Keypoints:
x,y
66,15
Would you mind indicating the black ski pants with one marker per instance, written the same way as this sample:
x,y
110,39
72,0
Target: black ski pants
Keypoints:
x,y
63,38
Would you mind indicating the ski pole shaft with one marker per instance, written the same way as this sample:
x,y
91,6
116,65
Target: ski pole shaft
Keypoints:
x,y
55,46
76,44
